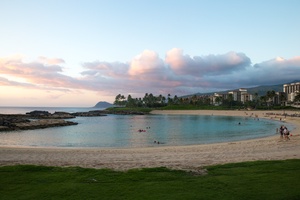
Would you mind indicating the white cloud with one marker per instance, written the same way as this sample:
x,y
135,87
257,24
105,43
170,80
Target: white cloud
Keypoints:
x,y
206,65
178,73
51,61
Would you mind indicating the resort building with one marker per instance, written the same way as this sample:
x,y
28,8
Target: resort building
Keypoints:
x,y
291,90
285,98
216,99
241,95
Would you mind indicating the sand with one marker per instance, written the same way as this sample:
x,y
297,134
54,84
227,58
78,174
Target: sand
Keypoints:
x,y
192,158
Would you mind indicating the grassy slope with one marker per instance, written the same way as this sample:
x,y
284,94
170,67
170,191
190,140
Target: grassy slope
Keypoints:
x,y
250,180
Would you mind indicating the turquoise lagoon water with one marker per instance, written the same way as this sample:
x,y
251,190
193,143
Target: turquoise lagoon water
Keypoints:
x,y
119,131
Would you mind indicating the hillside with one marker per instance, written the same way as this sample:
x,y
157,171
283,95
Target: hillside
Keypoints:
x,y
260,90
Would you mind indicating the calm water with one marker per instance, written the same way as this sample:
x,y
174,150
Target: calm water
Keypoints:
x,y
123,131
24,110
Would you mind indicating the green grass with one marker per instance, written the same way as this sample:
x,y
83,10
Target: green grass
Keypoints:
x,y
249,180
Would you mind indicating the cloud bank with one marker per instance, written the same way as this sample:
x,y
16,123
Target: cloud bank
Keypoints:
x,y
176,73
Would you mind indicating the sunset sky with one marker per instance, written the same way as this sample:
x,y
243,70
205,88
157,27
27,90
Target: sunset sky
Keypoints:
x,y
79,52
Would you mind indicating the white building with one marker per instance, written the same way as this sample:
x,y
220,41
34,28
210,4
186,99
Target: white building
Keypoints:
x,y
291,90
241,95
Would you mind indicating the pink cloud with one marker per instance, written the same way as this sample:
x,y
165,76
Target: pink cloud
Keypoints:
x,y
147,62
178,73
35,73
20,68
105,69
206,65
176,59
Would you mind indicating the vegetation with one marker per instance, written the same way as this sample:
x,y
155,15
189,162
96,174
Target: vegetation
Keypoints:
x,y
248,180
202,102
136,109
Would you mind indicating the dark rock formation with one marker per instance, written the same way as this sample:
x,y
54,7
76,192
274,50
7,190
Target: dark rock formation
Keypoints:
x,y
38,113
46,115
43,119
93,113
23,122
103,104
44,123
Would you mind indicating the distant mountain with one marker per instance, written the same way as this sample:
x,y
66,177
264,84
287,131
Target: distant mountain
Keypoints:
x,y
260,90
103,104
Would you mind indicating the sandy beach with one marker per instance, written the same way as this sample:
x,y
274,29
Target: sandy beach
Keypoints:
x,y
193,157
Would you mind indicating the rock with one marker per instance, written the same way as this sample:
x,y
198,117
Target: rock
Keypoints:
x,y
46,115
22,122
62,115
93,113
44,123
38,113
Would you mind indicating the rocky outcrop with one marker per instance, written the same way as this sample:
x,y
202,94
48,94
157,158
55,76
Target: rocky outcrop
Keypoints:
x,y
43,123
23,122
38,113
46,115
93,113
43,119
7,122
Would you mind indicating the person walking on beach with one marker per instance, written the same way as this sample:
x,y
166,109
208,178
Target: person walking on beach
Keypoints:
x,y
286,133
281,129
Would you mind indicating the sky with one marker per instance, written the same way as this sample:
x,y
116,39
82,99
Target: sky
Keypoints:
x,y
77,53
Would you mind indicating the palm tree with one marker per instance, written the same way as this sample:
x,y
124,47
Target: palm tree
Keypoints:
x,y
282,98
119,100
218,100
263,99
230,99
176,100
130,101
169,99
256,99
270,97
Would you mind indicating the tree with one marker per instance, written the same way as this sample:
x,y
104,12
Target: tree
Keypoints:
x,y
297,97
130,101
230,99
170,101
118,100
218,100
282,98
256,99
264,99
270,97
176,100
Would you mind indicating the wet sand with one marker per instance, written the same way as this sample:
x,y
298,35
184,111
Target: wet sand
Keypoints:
x,y
193,157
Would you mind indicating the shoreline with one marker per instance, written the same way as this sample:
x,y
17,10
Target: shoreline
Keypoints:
x,y
190,157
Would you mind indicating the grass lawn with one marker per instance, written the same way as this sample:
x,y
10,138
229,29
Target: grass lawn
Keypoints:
x,y
248,180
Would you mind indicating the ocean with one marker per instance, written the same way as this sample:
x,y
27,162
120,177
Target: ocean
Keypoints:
x,y
24,110
130,131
